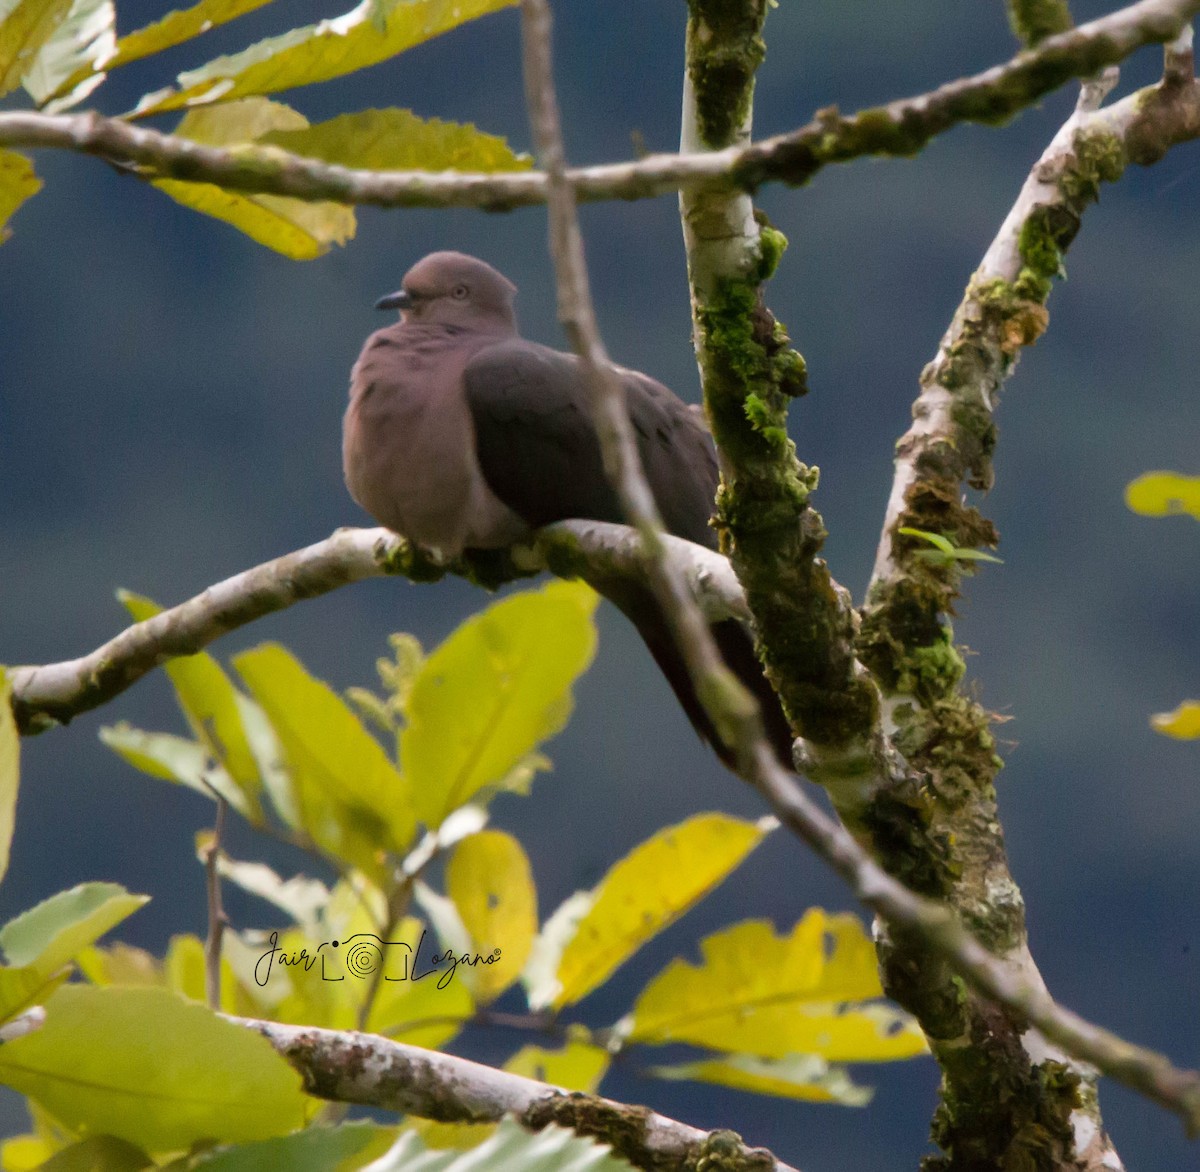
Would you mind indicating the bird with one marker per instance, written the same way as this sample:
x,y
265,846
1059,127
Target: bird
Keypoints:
x,y
461,435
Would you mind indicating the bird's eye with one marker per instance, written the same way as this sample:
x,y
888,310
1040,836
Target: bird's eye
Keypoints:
x,y
459,292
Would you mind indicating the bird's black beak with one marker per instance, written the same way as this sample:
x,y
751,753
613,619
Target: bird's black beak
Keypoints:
x,y
398,300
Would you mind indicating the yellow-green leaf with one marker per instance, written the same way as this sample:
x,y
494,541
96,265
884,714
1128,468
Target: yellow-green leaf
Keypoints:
x,y
17,183
353,801
297,228
315,1149
578,1066
1183,724
805,1077
50,934
148,1067
98,1153
10,771
417,1010
492,692
209,703
25,26
647,891
372,32
119,964
397,140
489,879
68,66
1164,494
177,759
774,996
179,26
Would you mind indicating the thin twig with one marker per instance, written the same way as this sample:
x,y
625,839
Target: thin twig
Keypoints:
x,y
900,128
218,921
349,1067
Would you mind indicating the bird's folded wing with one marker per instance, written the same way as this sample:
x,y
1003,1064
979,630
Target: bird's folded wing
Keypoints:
x,y
538,451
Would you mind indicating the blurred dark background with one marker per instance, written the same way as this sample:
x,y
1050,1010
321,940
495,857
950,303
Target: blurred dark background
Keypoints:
x,y
170,405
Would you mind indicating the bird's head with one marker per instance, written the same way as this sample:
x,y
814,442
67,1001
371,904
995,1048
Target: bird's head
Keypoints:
x,y
453,289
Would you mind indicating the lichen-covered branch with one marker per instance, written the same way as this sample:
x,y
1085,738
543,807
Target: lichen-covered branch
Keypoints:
x,y
349,1067
1049,1105
899,128
53,693
748,373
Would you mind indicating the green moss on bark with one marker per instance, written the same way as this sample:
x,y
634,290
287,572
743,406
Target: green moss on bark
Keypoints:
x,y
724,49
1035,20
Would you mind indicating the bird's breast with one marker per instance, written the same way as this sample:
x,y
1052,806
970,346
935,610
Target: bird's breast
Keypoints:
x,y
408,448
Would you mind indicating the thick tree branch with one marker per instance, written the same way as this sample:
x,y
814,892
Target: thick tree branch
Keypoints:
x,y
899,128
53,693
909,643
350,1067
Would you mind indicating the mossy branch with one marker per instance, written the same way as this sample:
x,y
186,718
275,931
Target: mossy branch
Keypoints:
x,y
907,640
900,128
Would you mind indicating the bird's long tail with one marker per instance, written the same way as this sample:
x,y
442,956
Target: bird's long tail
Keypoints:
x,y
736,647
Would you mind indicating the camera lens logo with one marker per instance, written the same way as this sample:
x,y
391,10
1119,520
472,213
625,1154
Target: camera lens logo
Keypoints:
x,y
363,959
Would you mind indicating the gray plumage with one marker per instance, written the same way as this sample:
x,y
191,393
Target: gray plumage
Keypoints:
x,y
460,434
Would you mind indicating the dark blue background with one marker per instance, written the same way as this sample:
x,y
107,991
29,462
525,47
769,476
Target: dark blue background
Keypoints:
x,y
170,403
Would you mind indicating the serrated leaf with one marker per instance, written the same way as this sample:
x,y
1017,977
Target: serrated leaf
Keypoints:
x,y
647,891
353,803
510,1148
805,1077
315,1149
68,66
25,26
489,879
50,934
1183,724
372,32
774,996
177,759
397,140
18,182
1164,494
179,26
497,688
298,228
150,1068
208,700
10,771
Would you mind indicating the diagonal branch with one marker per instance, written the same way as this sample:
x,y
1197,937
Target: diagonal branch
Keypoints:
x,y
350,1067
900,128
